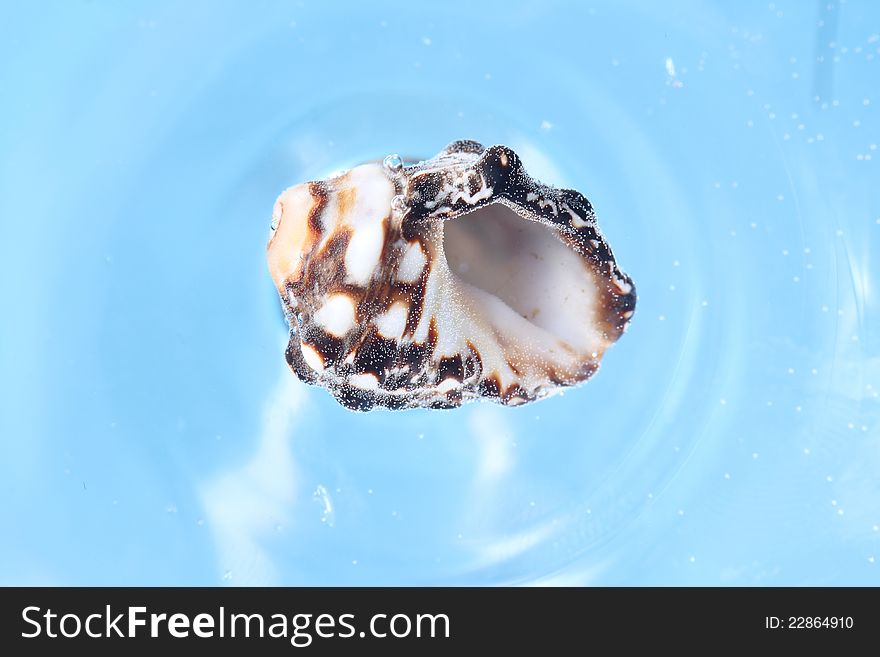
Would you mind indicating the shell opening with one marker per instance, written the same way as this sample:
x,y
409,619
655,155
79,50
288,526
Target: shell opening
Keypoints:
x,y
524,264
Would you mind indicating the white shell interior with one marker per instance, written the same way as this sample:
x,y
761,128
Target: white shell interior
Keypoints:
x,y
523,264
513,289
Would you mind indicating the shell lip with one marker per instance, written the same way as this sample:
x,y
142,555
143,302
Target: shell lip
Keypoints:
x,y
446,187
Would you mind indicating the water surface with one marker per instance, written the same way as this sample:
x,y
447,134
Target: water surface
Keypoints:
x,y
152,434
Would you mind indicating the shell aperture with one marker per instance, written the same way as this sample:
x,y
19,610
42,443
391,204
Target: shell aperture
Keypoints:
x,y
452,279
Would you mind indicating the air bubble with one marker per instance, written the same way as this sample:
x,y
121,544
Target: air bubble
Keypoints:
x,y
393,162
322,497
398,204
276,216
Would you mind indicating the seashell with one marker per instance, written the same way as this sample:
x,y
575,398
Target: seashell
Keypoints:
x,y
444,281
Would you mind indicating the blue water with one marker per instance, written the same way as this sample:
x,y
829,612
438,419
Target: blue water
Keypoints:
x,y
151,433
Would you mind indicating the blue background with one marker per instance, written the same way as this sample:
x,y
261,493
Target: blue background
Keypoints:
x,y
150,432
